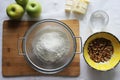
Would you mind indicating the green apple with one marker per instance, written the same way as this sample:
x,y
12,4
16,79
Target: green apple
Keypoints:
x,y
15,11
22,2
33,9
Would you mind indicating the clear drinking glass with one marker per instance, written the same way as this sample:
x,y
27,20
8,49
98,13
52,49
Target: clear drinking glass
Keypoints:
x,y
99,20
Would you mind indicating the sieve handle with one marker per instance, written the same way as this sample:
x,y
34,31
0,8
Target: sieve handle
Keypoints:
x,y
19,42
80,44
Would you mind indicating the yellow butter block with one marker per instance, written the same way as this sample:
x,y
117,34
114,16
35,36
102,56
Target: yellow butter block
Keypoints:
x,y
68,8
78,6
68,5
69,2
87,1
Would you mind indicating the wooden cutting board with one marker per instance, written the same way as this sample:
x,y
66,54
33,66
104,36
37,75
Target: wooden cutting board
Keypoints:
x,y
15,65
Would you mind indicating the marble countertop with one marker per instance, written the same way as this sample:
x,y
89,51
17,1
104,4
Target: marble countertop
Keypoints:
x,y
55,9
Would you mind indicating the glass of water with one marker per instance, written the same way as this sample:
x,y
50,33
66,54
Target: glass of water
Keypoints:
x,y
99,20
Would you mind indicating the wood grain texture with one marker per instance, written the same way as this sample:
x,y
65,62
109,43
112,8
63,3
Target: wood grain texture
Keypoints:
x,y
15,65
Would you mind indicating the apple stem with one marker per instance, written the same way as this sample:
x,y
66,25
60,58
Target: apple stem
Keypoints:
x,y
13,9
33,5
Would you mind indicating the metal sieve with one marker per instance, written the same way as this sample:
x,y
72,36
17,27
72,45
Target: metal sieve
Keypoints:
x,y
40,60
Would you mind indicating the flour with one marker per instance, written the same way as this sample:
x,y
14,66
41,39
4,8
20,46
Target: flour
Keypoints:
x,y
51,44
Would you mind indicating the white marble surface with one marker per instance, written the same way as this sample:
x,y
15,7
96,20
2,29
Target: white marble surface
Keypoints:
x,y
55,9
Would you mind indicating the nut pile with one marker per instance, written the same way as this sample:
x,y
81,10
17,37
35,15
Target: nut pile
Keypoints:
x,y
100,50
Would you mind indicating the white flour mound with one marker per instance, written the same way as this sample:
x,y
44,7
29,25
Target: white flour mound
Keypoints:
x,y
51,46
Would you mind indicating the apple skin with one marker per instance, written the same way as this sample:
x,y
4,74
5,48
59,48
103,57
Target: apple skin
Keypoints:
x,y
22,2
33,9
15,11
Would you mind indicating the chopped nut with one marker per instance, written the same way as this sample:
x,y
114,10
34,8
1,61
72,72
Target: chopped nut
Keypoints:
x,y
100,50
